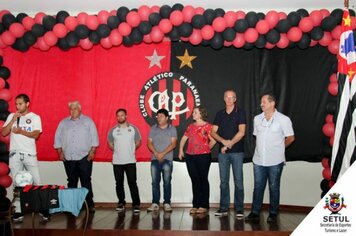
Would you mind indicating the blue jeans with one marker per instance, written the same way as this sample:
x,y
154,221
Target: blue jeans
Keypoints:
x,y
165,168
261,175
236,161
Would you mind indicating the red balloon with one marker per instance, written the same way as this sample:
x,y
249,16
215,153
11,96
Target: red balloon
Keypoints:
x,y
195,38
227,43
207,32
327,173
333,77
81,17
71,22
331,141
155,9
270,45
272,18
1,52
115,37
165,26
124,29
156,34
60,30
239,40
336,32
262,26
86,44
176,18
5,181
294,34
188,13
7,38
230,18
316,17
331,183
306,24
2,85
42,44
329,129
39,17
313,43
333,88
147,39
133,19
50,38
282,15
325,13
219,24
333,47
28,22
103,16
240,15
113,12
144,12
353,22
5,94
2,45
4,169
2,13
17,30
199,10
251,35
92,22
329,118
326,39
105,43
325,162
5,139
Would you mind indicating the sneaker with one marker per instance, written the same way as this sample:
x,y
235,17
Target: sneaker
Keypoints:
x,y
153,207
136,209
45,216
193,210
253,217
91,209
239,214
272,218
167,207
17,217
120,207
221,212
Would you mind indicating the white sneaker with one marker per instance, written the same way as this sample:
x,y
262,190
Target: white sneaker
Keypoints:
x,y
167,207
153,207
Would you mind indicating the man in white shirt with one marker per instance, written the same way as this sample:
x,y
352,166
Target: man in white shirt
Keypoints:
x,y
274,132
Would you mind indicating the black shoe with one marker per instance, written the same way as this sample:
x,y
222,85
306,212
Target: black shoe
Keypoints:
x,y
272,218
221,212
91,209
120,207
17,217
136,209
45,215
239,214
253,217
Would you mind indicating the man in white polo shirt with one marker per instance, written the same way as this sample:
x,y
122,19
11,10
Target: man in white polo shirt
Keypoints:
x,y
124,138
274,132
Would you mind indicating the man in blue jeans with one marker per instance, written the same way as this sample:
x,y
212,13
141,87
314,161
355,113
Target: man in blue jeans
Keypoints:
x,y
162,139
229,129
274,132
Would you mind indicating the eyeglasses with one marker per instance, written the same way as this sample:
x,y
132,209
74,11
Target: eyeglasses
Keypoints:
x,y
266,123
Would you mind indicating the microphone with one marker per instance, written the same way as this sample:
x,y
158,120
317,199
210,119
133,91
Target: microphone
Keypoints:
x,y
18,122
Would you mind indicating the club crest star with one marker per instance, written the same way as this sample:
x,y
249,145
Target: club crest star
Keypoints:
x,y
155,59
186,60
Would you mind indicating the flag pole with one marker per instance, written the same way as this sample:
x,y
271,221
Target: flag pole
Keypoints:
x,y
346,3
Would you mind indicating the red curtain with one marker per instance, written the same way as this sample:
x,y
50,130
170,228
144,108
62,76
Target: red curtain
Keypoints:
x,y
102,80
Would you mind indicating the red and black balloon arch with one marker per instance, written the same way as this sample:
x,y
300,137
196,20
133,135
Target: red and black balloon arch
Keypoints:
x,y
210,27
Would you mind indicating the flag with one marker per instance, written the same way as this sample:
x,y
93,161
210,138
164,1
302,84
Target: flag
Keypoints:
x,y
343,153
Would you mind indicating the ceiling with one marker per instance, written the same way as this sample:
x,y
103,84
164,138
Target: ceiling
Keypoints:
x,y
31,7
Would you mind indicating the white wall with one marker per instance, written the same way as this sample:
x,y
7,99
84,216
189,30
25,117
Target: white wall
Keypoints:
x,y
299,186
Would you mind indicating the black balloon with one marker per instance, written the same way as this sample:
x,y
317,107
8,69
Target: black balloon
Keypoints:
x,y
174,35
352,12
113,22
260,16
94,37
7,85
205,42
122,13
4,105
72,39
251,18
303,13
127,41
317,33
229,34
20,45
273,36
5,156
337,13
4,72
209,15
20,17
241,25
329,23
331,108
304,42
3,148
217,41
292,44
38,30
103,30
326,150
63,44
29,38
219,12
61,16
82,31
2,28
261,41
249,46
283,26
136,36
4,115
154,18
8,19
145,27
178,7
1,60
324,185
165,11
185,29
294,18
48,22
198,21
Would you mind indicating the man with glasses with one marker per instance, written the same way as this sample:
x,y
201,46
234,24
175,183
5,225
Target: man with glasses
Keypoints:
x,y
229,130
274,132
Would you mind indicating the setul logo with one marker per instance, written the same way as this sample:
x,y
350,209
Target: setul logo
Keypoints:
x,y
172,91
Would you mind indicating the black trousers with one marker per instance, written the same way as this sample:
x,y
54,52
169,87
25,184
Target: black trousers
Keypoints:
x,y
130,170
198,169
80,170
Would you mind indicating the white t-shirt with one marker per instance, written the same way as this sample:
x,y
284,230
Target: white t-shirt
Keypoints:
x,y
19,142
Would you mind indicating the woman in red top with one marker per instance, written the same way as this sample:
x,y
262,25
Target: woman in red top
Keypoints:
x,y
198,158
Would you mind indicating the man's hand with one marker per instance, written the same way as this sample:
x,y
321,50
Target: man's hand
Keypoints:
x,y
17,130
